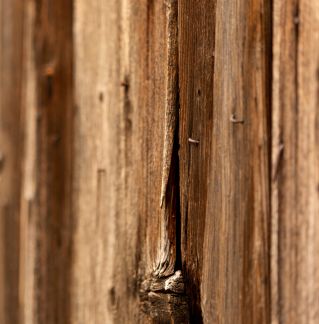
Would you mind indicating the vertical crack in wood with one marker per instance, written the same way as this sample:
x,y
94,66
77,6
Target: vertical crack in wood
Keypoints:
x,y
165,262
162,293
171,110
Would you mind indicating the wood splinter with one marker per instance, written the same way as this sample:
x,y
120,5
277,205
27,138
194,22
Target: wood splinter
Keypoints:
x,y
171,108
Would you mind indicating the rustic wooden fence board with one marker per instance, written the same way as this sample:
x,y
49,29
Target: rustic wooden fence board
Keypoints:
x,y
143,138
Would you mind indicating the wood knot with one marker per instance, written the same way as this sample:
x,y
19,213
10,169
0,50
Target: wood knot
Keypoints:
x,y
164,299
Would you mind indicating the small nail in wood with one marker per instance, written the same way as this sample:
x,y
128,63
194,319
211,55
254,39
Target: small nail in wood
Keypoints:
x,y
234,120
193,141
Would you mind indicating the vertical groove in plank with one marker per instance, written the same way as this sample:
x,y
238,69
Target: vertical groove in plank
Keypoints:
x,y
295,177
11,41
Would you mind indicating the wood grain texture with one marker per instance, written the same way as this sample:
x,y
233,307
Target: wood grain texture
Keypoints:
x,y
122,236
92,93
11,63
97,192
295,204
238,211
171,107
196,72
224,75
28,229
46,234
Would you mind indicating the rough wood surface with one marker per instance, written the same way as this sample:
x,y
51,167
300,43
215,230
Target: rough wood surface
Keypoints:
x,y
196,24
122,235
159,161
224,78
11,63
295,177
99,202
46,218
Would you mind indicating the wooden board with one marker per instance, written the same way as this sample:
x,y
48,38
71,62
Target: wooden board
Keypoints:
x,y
120,231
225,105
295,204
11,120
46,217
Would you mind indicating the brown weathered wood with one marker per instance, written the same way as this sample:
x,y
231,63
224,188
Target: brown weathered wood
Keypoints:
x,y
97,196
295,177
196,71
11,63
138,87
46,234
121,81
225,105
159,161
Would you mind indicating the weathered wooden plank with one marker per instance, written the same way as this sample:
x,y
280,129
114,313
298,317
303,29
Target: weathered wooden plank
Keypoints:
x,y
98,164
109,190
196,24
11,40
46,231
295,204
121,89
28,229
224,95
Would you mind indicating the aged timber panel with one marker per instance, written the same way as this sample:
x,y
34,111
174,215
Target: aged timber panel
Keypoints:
x,y
196,75
159,161
295,176
123,237
46,230
224,95
11,40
